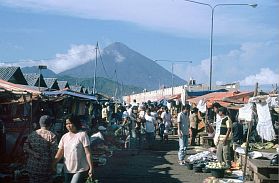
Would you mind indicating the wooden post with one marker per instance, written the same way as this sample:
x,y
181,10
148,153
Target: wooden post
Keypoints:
x,y
256,89
246,151
31,114
247,138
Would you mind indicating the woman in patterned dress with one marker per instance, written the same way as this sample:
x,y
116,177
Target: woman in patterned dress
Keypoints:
x,y
40,146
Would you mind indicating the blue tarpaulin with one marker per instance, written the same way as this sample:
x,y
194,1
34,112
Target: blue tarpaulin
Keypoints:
x,y
200,93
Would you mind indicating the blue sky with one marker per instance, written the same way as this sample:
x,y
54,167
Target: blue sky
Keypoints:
x,y
63,34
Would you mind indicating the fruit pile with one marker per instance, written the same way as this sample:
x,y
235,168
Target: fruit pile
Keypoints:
x,y
216,165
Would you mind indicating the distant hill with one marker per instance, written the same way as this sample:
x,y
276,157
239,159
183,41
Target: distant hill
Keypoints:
x,y
103,85
128,66
47,73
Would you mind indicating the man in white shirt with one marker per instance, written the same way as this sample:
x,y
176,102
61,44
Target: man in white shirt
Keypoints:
x,y
104,113
183,132
149,128
166,117
217,121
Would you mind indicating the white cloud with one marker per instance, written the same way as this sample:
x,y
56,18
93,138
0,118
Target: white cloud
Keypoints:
x,y
118,57
220,83
266,76
238,64
76,55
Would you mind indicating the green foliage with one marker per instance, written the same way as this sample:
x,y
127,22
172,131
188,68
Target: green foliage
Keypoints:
x,y
103,85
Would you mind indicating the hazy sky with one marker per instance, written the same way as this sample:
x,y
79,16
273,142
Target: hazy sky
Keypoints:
x,y
63,34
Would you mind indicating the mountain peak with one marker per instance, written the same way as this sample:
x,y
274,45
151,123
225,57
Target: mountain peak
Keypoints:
x,y
128,66
119,47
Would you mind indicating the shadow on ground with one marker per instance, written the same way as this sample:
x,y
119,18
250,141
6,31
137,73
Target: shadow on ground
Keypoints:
x,y
134,166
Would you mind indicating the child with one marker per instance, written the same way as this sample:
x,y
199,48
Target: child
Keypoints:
x,y
166,136
161,129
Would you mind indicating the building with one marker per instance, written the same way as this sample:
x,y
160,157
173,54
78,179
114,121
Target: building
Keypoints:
x,y
176,92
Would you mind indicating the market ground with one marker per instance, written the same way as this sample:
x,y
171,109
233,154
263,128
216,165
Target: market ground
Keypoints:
x,y
148,166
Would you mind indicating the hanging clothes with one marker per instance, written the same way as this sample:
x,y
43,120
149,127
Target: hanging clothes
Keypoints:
x,y
273,101
81,108
202,106
265,127
91,109
245,113
26,109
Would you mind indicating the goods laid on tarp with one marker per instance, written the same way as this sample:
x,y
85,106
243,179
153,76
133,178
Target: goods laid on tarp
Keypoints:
x,y
205,155
217,165
267,145
199,161
216,180
259,145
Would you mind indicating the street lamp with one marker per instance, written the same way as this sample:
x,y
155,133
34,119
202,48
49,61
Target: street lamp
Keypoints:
x,y
172,63
40,67
211,34
95,70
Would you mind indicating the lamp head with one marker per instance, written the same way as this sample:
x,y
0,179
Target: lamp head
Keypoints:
x,y
253,5
42,67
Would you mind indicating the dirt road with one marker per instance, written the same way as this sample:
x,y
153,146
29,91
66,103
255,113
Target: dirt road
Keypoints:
x,y
148,166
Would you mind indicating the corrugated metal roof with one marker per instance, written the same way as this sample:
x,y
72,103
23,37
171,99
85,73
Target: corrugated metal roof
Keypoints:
x,y
7,72
33,79
52,83
63,84
53,93
90,91
36,88
16,87
221,97
85,90
13,75
76,88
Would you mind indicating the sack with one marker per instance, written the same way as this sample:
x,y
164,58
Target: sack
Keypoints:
x,y
210,129
91,180
201,125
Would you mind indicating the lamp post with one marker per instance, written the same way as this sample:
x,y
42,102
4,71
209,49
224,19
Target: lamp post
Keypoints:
x,y
172,63
211,34
40,67
95,70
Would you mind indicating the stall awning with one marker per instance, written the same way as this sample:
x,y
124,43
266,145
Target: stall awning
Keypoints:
x,y
224,98
16,88
63,92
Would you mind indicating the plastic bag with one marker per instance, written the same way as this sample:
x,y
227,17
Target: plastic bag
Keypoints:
x,y
91,180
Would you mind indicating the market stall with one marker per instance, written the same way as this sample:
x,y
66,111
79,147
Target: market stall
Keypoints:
x,y
17,105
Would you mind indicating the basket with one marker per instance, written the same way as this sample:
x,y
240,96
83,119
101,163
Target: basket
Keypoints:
x,y
197,169
218,173
189,166
206,170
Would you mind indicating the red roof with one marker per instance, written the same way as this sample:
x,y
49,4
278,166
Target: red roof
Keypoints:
x,y
16,88
224,98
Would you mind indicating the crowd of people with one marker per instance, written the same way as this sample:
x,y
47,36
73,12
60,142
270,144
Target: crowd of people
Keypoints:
x,y
142,122
138,124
